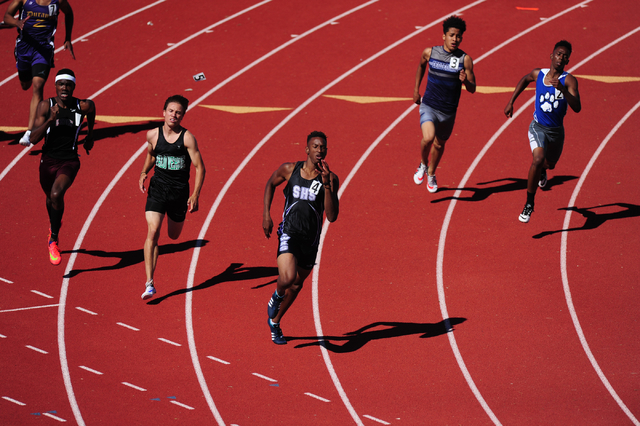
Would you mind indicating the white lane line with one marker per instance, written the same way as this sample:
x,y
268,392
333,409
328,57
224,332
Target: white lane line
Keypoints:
x,y
13,400
54,417
41,294
6,281
376,419
85,310
264,377
62,349
218,360
2,336
26,309
317,397
90,370
169,341
121,324
563,268
134,386
33,348
182,405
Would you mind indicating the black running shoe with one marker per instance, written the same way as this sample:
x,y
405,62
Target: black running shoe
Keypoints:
x,y
526,213
543,179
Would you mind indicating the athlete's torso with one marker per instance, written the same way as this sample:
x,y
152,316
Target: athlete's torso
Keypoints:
x,y
42,22
443,84
303,207
551,105
61,138
172,160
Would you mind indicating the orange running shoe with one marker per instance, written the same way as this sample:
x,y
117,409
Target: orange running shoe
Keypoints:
x,y
54,253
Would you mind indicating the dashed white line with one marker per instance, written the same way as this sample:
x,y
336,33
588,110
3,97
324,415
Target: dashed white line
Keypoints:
x,y
218,360
13,400
169,341
375,420
33,348
39,293
54,417
3,336
91,370
264,377
182,405
127,326
86,310
134,386
6,281
317,397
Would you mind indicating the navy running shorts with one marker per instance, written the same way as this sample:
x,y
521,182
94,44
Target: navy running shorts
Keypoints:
x,y
303,250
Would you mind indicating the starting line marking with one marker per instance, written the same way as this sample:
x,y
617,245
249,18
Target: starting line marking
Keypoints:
x,y
33,348
264,377
169,341
41,294
54,417
91,370
218,360
86,310
317,397
182,405
127,326
134,386
375,420
13,400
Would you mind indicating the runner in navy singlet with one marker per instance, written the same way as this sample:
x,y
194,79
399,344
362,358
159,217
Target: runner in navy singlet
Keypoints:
x,y
36,24
59,120
555,89
171,149
311,190
449,69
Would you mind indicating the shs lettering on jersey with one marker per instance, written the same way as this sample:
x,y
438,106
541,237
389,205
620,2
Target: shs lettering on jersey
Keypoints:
x,y
172,161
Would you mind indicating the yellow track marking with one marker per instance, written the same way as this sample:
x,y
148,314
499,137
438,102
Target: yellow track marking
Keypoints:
x,y
243,109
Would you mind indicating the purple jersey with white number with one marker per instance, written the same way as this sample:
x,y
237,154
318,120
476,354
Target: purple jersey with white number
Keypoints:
x,y
41,26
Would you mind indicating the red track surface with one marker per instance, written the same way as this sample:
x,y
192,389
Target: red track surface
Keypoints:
x,y
379,307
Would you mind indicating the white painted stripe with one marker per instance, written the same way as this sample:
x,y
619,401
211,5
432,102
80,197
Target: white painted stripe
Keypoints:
x,y
316,397
91,370
54,417
134,386
29,308
13,400
182,405
218,360
169,341
41,294
264,377
127,326
2,336
86,310
375,419
563,265
33,348
6,281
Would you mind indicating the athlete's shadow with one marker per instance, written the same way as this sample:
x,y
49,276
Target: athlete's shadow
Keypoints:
x,y
514,184
102,133
235,272
594,219
12,138
131,257
355,340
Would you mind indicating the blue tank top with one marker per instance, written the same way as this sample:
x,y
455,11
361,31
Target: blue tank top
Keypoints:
x,y
42,23
172,161
443,84
551,105
303,206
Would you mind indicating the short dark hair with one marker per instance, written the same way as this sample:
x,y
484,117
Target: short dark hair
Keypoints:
x,y
317,134
563,43
454,22
184,102
66,71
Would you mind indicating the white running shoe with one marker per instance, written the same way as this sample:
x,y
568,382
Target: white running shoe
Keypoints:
x,y
543,179
149,291
432,183
25,140
526,213
418,176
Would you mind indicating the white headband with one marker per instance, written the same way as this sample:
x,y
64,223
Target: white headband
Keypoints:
x,y
66,77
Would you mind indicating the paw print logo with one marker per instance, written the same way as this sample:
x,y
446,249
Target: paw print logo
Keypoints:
x,y
548,102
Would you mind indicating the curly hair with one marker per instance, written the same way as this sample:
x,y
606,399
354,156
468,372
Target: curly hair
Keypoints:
x,y
317,134
454,22
563,43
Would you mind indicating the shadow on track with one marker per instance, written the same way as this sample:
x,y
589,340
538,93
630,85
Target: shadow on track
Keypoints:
x,y
481,194
355,340
594,219
235,272
131,257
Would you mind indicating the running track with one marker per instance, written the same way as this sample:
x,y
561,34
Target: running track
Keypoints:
x,y
544,315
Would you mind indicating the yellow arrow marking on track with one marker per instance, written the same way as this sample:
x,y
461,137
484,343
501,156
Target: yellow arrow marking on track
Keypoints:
x,y
12,129
243,109
492,89
610,79
116,119
367,99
